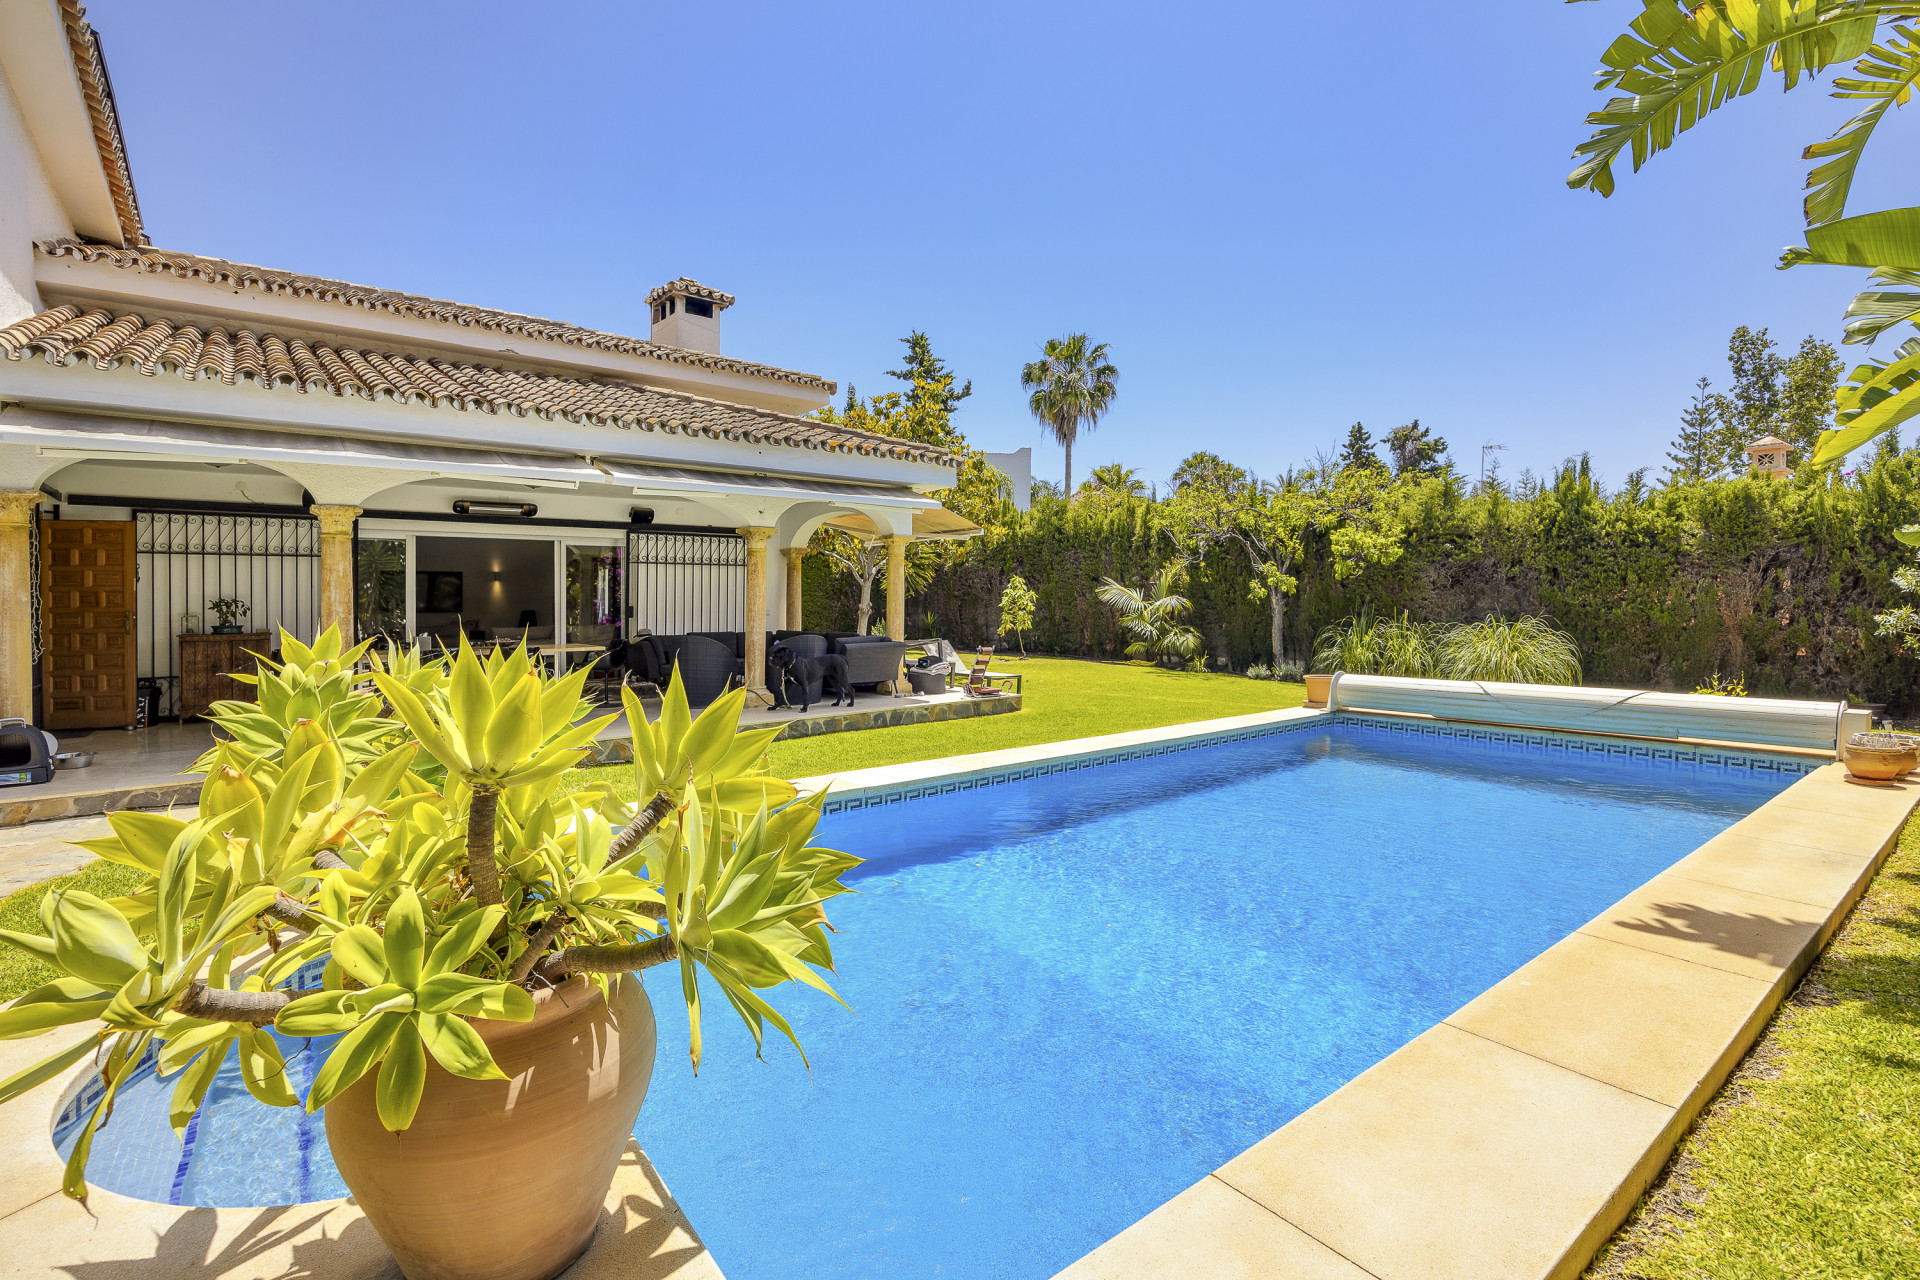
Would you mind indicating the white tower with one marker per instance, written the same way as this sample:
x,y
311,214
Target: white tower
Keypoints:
x,y
686,314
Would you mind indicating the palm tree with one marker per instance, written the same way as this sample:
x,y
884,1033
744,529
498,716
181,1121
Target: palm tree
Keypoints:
x,y
1114,478
1679,63
1152,617
1072,385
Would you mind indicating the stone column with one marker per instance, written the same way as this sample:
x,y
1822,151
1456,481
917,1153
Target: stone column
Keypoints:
x,y
336,568
19,584
796,557
897,586
897,597
755,646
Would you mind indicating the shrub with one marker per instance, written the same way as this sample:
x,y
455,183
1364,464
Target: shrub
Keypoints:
x,y
1526,651
1721,687
1291,672
1259,671
1365,645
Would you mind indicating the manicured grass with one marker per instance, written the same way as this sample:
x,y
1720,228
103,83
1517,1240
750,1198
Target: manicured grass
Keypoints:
x,y
20,912
1063,698
1808,1165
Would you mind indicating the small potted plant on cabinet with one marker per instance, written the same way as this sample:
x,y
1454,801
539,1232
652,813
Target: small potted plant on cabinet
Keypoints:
x,y
229,612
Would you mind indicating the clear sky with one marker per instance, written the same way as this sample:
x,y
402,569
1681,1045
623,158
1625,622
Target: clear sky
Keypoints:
x,y
1283,217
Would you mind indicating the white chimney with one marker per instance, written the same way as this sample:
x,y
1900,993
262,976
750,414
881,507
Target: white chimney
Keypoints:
x,y
686,314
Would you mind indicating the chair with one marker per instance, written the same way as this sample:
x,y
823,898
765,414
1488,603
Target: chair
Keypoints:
x,y
977,686
871,660
805,645
611,669
706,669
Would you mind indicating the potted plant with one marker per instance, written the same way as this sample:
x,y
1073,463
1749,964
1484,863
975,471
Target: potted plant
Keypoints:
x,y
478,927
229,612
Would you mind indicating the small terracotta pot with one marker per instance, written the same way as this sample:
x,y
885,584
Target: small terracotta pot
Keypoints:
x,y
1318,690
504,1179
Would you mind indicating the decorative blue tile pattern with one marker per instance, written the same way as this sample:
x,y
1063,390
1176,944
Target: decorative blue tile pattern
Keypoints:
x,y
1534,740
142,1157
1527,739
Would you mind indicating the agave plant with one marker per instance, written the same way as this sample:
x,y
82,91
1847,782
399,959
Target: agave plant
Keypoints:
x,y
407,826
1527,650
1153,617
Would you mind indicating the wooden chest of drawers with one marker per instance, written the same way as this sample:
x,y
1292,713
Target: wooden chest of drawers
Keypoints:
x,y
206,661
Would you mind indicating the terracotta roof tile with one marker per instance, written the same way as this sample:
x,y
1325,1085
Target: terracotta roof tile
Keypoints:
x,y
685,288
66,336
238,275
95,86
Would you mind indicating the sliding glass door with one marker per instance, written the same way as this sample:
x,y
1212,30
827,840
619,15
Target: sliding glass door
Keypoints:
x,y
594,592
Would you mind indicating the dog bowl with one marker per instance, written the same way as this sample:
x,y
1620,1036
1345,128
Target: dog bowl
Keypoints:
x,y
73,760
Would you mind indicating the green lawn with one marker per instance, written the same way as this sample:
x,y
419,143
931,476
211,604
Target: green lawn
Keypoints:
x,y
1063,698
1808,1165
20,912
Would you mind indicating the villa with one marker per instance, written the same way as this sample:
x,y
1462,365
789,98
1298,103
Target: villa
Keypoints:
x,y
1418,963
176,429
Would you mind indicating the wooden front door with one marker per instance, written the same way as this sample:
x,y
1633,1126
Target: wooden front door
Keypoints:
x,y
87,589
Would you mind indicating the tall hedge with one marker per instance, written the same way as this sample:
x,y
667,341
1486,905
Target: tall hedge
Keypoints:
x,y
1775,581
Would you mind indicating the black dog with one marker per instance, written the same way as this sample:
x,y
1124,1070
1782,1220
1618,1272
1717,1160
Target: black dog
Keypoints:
x,y
831,671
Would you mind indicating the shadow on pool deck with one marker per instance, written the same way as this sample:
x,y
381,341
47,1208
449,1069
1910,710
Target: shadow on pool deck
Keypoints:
x,y
642,1236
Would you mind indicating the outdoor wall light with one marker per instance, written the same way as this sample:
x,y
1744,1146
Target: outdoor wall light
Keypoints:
x,y
481,507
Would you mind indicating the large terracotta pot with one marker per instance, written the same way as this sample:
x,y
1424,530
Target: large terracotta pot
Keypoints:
x,y
1879,757
1318,688
504,1179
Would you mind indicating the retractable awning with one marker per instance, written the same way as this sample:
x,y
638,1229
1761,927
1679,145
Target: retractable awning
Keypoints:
x,y
81,435
650,477
92,436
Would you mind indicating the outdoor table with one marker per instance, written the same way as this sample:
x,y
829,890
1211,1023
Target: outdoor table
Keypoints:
x,y
561,651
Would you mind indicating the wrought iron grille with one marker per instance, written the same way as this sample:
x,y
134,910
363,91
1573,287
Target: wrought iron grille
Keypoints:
x,y
186,559
681,582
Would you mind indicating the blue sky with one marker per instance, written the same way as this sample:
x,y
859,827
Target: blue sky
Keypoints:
x,y
1283,218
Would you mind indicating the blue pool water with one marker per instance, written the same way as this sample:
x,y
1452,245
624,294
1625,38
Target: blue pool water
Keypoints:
x,y
1077,994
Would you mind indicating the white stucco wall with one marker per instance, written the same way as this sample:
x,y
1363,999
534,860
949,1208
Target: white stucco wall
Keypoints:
x,y
28,211
1018,468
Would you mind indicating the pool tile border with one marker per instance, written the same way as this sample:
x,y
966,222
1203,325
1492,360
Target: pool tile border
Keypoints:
x,y
895,784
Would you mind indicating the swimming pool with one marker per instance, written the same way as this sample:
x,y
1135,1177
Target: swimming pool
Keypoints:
x,y
1077,994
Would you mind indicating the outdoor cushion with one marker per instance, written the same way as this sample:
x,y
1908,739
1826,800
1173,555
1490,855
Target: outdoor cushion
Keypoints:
x,y
706,668
870,661
731,640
